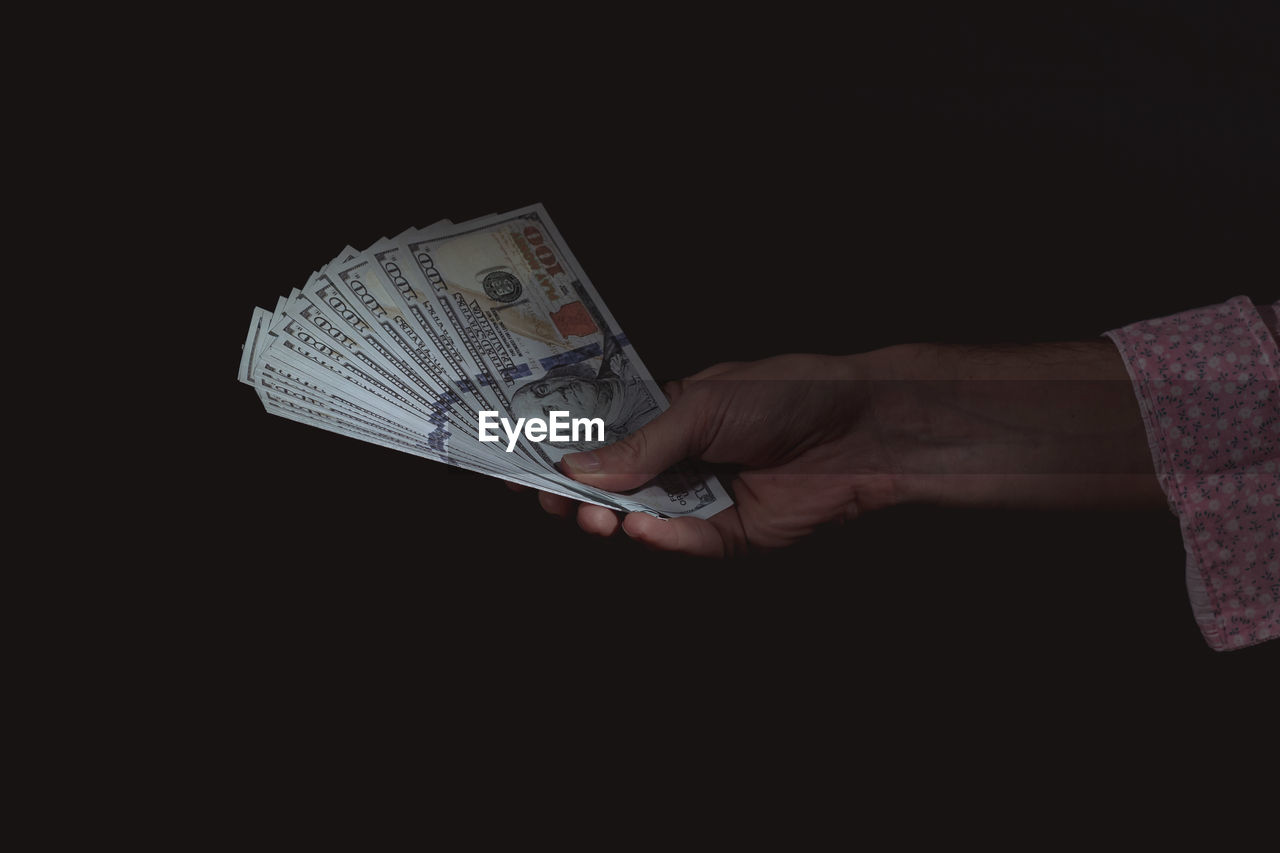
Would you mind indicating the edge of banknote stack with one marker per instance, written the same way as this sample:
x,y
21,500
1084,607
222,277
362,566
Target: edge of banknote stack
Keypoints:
x,y
405,343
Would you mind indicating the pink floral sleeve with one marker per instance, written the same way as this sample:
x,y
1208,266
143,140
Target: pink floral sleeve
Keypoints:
x,y
1206,382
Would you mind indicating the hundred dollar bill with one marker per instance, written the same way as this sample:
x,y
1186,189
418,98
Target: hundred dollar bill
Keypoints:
x,y
510,285
302,397
331,357
424,354
355,293
405,343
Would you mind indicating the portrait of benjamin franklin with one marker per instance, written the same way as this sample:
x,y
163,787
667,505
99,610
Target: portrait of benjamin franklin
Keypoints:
x,y
613,393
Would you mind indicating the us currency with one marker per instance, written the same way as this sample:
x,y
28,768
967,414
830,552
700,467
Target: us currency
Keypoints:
x,y
310,410
354,295
410,288
403,344
313,398
511,285
357,293
305,401
369,385
344,307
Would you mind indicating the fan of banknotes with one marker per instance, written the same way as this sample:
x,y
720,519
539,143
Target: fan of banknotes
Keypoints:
x,y
437,342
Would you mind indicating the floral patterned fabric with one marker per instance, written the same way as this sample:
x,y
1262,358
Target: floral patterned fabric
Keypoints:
x,y
1206,382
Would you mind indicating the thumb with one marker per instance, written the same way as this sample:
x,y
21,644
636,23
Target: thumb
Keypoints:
x,y
672,436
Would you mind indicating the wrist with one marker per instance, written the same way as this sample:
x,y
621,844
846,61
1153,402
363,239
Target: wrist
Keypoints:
x,y
1040,425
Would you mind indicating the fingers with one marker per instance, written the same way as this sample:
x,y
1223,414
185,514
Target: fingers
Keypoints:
x,y
557,505
598,520
685,535
675,388
674,435
693,536
715,370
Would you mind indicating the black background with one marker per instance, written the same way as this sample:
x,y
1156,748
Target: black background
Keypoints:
x,y
735,189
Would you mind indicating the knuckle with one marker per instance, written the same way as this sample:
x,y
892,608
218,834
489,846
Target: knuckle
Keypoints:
x,y
631,450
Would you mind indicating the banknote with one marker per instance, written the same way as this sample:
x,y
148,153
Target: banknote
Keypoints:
x,y
407,343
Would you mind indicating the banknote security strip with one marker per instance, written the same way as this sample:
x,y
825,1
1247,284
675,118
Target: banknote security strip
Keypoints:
x,y
408,343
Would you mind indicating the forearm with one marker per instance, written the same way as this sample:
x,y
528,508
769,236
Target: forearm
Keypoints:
x,y
1039,425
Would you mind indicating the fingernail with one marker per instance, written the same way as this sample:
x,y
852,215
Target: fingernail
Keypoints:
x,y
584,463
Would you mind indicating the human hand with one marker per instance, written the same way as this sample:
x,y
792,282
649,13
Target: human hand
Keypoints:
x,y
799,431
817,440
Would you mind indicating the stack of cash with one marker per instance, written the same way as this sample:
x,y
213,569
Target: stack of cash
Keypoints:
x,y
432,340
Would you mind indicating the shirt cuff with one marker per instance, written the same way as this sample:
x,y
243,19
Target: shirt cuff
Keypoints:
x,y
1209,392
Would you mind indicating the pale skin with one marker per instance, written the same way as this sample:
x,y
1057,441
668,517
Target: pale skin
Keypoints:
x,y
815,440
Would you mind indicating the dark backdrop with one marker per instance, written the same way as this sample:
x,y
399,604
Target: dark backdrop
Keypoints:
x,y
734,192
